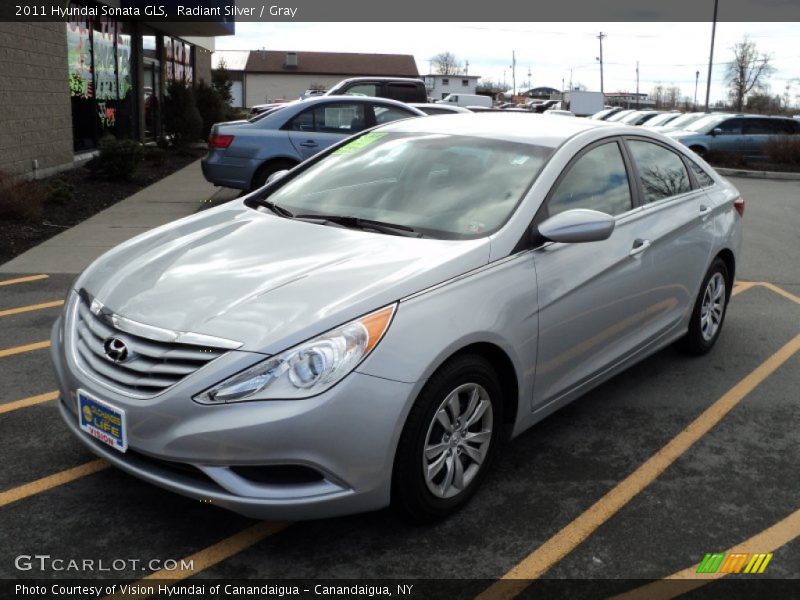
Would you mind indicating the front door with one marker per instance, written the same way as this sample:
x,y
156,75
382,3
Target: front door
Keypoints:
x,y
592,300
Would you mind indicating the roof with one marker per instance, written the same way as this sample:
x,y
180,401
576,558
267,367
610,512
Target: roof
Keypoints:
x,y
453,76
516,127
333,63
235,60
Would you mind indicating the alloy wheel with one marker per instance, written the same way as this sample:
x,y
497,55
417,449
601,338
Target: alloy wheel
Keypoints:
x,y
713,306
457,441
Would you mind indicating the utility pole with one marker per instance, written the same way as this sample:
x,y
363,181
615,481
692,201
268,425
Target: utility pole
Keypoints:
x,y
514,71
711,56
466,68
570,80
529,77
637,84
601,37
696,81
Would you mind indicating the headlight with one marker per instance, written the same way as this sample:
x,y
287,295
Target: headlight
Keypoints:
x,y
307,369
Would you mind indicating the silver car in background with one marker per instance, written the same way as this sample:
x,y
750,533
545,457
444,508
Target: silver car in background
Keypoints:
x,y
369,327
243,154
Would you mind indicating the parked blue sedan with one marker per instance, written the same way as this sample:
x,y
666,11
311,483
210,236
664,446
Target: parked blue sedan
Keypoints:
x,y
243,154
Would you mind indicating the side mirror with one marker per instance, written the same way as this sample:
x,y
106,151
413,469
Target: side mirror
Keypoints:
x,y
716,131
577,226
277,175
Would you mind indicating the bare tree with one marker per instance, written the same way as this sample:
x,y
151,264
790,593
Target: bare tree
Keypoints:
x,y
672,96
446,63
747,72
657,94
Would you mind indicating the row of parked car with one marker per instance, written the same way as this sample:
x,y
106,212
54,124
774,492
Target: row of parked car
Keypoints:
x,y
245,154
740,134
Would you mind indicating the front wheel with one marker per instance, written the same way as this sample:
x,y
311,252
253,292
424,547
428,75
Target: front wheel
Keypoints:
x,y
709,310
449,439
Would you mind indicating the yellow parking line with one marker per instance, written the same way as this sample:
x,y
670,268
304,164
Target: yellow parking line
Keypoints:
x,y
563,542
25,402
210,556
683,581
21,349
31,307
46,483
25,279
743,286
781,292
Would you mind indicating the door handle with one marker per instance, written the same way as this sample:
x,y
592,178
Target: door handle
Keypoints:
x,y
639,246
309,144
704,210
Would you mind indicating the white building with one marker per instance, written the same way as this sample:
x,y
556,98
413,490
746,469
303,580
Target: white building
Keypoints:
x,y
235,62
278,75
439,86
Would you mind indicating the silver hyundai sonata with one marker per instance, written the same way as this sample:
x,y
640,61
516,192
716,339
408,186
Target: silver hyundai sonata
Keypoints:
x,y
369,326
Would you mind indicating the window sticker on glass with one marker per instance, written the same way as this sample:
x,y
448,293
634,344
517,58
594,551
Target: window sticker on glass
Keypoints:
x,y
520,159
358,144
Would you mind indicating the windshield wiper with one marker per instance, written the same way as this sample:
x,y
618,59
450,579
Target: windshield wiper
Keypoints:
x,y
276,208
359,223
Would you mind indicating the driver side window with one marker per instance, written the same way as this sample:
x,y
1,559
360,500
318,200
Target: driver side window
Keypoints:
x,y
598,180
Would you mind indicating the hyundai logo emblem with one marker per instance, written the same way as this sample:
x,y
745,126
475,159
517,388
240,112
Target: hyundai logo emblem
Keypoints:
x,y
116,350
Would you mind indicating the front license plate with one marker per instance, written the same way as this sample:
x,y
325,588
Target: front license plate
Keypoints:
x,y
102,421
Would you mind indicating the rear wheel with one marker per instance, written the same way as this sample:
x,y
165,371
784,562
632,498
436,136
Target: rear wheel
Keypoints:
x,y
264,171
709,310
449,439
699,150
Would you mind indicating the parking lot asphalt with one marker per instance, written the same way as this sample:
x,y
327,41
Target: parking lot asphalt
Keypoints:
x,y
639,479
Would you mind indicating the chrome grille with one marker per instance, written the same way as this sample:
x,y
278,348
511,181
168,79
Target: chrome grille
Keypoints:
x,y
150,367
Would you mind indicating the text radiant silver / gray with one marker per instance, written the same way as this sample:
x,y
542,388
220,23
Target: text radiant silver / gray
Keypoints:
x,y
366,328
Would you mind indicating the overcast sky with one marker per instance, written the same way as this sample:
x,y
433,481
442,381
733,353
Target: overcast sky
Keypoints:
x,y
668,53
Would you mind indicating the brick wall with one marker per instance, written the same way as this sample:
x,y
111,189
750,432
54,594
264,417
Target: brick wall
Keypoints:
x,y
35,111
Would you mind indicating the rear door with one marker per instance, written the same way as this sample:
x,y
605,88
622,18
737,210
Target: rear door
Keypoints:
x,y
323,125
757,132
677,226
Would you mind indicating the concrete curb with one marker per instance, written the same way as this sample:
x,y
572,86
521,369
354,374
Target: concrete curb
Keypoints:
x,y
758,174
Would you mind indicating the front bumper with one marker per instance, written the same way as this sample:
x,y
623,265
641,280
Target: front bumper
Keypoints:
x,y
348,435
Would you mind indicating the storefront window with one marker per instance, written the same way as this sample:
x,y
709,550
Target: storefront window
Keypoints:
x,y
105,68
79,56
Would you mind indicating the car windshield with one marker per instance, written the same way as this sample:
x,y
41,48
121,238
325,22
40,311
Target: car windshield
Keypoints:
x,y
620,115
706,124
633,117
660,119
444,186
684,120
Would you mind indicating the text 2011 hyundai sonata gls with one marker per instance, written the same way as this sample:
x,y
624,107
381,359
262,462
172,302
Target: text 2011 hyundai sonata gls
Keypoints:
x,y
367,328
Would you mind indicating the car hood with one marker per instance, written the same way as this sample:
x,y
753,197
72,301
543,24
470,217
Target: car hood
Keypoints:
x,y
265,281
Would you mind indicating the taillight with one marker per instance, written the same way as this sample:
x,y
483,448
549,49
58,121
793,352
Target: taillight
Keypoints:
x,y
738,204
219,141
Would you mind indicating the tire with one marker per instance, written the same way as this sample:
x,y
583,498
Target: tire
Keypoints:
x,y
469,379
265,170
709,310
699,150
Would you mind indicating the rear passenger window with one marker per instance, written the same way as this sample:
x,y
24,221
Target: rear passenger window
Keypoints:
x,y
362,89
661,171
703,178
387,114
404,92
597,180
